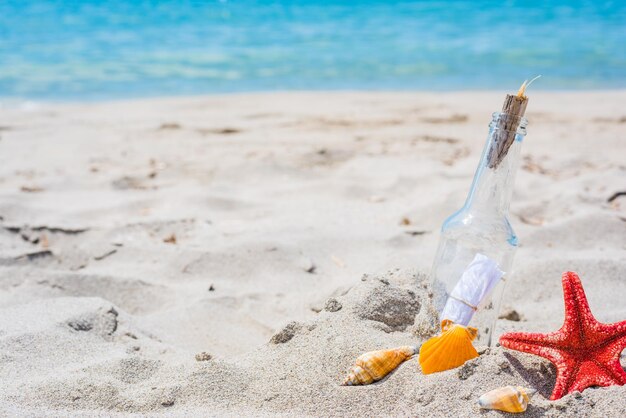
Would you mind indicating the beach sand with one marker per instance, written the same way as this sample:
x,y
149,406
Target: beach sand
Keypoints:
x,y
233,255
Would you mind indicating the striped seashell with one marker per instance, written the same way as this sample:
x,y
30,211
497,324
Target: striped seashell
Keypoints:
x,y
452,348
375,365
508,399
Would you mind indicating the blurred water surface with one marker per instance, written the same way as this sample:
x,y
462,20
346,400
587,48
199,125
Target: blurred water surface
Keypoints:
x,y
90,50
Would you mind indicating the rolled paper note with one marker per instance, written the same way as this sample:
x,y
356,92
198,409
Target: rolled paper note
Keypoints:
x,y
477,281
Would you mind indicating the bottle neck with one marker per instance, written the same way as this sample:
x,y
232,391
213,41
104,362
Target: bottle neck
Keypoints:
x,y
492,187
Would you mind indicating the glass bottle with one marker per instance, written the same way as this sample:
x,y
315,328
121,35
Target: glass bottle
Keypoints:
x,y
477,242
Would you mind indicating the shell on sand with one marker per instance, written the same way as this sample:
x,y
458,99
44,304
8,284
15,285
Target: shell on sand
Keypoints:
x,y
508,399
450,349
375,365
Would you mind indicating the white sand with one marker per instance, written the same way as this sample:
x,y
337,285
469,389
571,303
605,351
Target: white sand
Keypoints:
x,y
272,204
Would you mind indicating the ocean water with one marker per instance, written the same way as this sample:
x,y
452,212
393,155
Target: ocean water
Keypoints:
x,y
94,49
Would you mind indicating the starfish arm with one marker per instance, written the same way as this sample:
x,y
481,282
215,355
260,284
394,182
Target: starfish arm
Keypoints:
x,y
615,334
577,311
563,377
597,373
618,375
534,343
614,343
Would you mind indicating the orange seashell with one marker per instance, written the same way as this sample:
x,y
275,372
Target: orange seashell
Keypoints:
x,y
375,365
507,399
450,349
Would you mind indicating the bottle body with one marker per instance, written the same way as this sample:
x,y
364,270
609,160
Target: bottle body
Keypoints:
x,y
477,243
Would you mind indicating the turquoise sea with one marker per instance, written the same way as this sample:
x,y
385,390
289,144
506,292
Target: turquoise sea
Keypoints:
x,y
91,50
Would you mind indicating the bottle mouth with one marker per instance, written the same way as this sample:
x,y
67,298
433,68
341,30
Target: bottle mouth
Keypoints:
x,y
500,120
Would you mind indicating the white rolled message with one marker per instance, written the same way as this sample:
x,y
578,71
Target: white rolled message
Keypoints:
x,y
477,281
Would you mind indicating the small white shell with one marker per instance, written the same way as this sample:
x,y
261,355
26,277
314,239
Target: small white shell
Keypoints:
x,y
508,399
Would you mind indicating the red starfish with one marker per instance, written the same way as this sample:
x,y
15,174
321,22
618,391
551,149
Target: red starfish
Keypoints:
x,y
584,351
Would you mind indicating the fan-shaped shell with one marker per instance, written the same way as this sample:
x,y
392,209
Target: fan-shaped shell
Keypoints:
x,y
450,349
375,365
507,399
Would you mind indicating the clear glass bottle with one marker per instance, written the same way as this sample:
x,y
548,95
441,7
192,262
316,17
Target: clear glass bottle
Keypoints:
x,y
481,232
